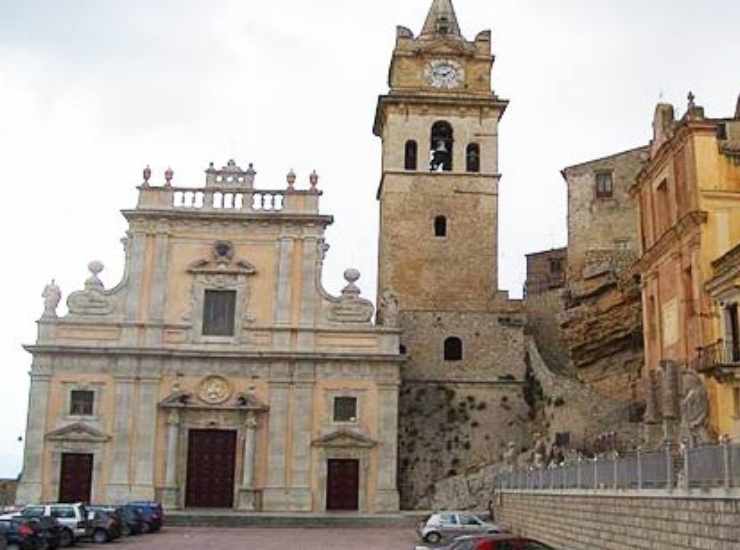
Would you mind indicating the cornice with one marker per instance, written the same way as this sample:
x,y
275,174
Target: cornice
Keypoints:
x,y
228,215
671,237
267,356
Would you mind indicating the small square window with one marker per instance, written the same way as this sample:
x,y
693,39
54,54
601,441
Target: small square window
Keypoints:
x,y
219,311
81,403
345,409
604,185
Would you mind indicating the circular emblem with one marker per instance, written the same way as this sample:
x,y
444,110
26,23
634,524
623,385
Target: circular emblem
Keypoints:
x,y
214,390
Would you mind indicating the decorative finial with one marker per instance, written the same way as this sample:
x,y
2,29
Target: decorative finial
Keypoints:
x,y
52,295
314,179
291,180
168,175
147,175
691,98
95,267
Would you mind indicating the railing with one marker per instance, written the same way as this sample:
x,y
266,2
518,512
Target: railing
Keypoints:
x,y
720,354
708,467
197,199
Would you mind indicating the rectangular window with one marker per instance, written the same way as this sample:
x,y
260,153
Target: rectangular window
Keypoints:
x,y
604,185
736,392
219,311
664,213
556,266
81,403
345,409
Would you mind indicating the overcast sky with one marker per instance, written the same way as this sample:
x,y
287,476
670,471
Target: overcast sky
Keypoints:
x,y
91,91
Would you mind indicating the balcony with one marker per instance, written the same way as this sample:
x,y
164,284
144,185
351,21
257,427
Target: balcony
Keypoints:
x,y
720,360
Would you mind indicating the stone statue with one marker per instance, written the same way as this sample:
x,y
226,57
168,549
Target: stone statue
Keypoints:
x,y
52,295
389,309
540,452
694,408
510,457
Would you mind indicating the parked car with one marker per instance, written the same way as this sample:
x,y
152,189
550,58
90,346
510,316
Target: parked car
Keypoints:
x,y
448,525
501,541
48,530
71,517
129,518
151,513
103,526
17,534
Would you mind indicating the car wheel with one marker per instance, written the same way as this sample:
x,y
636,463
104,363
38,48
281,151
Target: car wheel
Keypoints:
x,y
13,546
66,538
433,537
100,536
126,530
146,527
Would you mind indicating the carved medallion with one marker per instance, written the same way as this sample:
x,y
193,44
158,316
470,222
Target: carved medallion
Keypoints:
x,y
214,390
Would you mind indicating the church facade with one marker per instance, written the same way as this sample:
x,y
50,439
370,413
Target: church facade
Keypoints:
x,y
218,373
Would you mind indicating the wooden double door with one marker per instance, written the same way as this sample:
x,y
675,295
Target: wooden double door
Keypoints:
x,y
343,485
211,469
75,480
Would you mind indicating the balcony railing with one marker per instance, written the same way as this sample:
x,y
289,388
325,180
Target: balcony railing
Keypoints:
x,y
718,356
702,468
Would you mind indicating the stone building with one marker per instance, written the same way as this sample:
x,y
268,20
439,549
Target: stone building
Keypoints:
x,y
439,124
602,317
218,372
545,271
689,217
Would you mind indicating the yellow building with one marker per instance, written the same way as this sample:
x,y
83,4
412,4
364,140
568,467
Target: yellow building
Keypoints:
x,y
688,197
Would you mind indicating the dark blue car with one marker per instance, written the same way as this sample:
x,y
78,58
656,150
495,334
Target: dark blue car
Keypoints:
x,y
151,513
19,535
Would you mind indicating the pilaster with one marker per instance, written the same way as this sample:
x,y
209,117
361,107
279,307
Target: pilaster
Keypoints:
x,y
31,483
146,429
119,488
387,499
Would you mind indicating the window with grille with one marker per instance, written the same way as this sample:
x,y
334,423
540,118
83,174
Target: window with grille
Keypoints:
x,y
219,309
345,409
604,185
81,403
472,158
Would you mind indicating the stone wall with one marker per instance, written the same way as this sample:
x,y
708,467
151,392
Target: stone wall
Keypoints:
x,y
588,522
447,428
543,323
454,415
7,491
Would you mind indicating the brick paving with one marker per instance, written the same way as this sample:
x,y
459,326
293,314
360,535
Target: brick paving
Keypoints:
x,y
185,538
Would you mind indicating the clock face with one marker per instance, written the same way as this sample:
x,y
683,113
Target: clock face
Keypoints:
x,y
444,74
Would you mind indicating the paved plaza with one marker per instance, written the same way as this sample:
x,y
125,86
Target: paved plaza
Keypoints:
x,y
184,538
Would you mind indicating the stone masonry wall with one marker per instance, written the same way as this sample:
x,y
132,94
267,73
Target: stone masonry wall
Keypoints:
x,y
543,312
454,415
589,522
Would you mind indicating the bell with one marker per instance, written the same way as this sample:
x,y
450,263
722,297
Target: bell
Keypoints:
x,y
441,147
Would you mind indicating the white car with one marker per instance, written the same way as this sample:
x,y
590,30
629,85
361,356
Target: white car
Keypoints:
x,y
448,525
72,517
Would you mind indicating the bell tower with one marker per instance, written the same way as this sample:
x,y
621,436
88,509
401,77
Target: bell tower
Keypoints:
x,y
438,194
439,188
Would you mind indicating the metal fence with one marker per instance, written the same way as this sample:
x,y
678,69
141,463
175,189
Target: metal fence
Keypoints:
x,y
707,467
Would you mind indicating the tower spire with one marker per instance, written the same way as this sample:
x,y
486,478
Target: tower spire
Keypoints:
x,y
441,20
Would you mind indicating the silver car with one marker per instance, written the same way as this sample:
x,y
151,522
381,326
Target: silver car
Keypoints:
x,y
448,525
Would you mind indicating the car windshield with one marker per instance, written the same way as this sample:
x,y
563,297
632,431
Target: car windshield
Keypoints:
x,y
448,519
32,512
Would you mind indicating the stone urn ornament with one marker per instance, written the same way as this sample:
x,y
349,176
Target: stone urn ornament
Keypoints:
x,y
291,177
313,180
168,175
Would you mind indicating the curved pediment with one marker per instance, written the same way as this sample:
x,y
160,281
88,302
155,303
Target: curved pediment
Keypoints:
x,y
78,431
345,439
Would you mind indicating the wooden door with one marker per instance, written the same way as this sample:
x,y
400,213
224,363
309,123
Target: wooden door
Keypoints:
x,y
343,485
75,483
211,467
